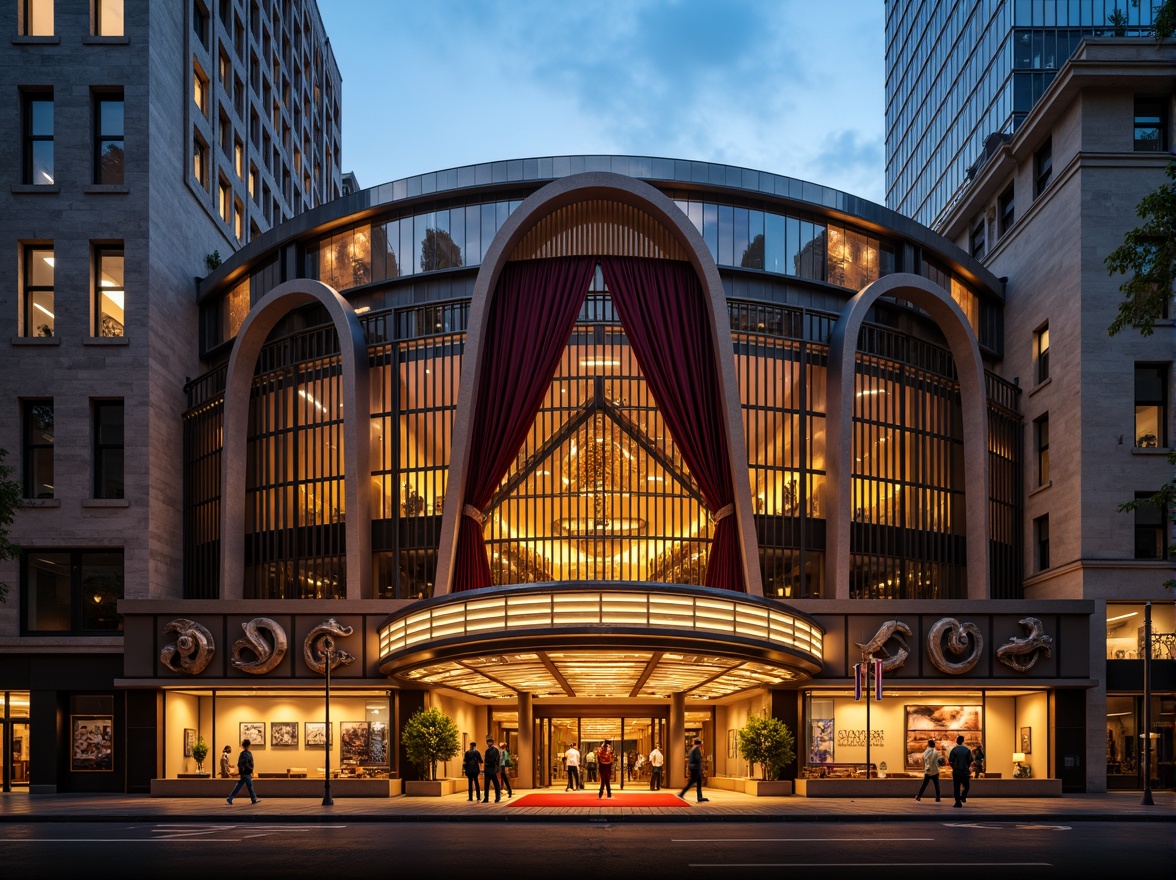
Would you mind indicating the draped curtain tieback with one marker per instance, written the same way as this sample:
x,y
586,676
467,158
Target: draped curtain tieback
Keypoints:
x,y
722,513
473,513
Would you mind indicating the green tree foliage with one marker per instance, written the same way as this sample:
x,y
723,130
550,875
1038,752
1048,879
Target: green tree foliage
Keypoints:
x,y
767,742
429,736
1148,257
10,495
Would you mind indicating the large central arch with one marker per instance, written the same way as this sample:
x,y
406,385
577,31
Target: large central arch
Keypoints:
x,y
652,204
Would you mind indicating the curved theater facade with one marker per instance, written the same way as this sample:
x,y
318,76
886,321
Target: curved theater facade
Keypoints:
x,y
609,446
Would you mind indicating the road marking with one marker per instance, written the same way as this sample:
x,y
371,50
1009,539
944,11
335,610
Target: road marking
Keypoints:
x,y
875,865
1007,825
791,839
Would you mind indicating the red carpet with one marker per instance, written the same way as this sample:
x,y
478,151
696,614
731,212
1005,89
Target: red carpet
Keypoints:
x,y
589,799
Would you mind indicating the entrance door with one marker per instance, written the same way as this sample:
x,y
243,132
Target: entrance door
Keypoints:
x,y
16,756
632,740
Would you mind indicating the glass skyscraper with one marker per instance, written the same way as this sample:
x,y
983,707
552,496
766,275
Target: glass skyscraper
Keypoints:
x,y
959,72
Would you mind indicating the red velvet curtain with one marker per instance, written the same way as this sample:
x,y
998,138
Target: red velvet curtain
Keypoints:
x,y
531,319
665,314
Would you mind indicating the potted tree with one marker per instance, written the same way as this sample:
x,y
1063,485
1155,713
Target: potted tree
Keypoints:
x,y
200,752
769,743
429,737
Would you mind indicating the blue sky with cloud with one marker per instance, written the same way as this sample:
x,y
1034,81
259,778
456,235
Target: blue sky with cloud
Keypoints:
x,y
781,86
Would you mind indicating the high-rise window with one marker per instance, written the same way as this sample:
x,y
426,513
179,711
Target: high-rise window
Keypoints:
x,y
37,451
108,18
200,89
1151,406
39,318
108,139
1151,124
1042,167
38,138
1041,432
1041,541
108,449
238,219
71,591
225,201
239,158
977,240
200,20
1041,352
1150,520
109,291
1007,209
200,160
37,18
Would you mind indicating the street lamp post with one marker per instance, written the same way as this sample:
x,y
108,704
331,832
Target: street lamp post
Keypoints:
x,y
329,646
1147,718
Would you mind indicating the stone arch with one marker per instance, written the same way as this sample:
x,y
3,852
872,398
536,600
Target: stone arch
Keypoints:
x,y
950,318
538,206
262,319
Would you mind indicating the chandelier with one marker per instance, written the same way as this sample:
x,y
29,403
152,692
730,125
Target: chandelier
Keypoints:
x,y
602,465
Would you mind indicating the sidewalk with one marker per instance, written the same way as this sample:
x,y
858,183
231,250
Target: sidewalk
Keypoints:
x,y
724,806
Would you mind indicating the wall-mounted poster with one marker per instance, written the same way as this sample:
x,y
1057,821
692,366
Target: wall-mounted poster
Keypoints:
x,y
189,741
1027,740
254,731
942,724
355,741
284,733
821,742
316,734
92,741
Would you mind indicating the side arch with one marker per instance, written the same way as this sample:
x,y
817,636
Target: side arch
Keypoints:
x,y
538,206
262,319
950,318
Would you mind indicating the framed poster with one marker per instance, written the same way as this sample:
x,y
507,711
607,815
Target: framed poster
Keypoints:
x,y
317,734
1027,740
91,743
189,741
254,731
942,724
284,733
821,742
355,741
378,744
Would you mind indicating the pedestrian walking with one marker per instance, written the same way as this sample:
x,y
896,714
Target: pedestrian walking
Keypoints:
x,y
490,765
605,757
932,761
471,765
590,763
694,765
960,759
505,762
978,760
656,760
572,761
245,771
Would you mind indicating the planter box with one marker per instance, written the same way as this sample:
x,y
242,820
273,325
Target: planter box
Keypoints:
x,y
434,787
768,787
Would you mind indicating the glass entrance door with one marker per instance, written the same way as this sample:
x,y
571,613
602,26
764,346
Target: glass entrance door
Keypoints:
x,y
632,740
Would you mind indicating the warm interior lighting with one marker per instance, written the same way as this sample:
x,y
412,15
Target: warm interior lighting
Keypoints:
x,y
1121,617
37,305
303,393
1018,757
49,260
599,362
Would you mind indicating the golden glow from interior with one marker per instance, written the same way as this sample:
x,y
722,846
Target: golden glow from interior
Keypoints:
x,y
601,673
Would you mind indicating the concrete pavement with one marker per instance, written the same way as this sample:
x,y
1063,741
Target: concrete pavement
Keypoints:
x,y
724,806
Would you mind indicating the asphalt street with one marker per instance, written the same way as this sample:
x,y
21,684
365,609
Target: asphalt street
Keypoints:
x,y
598,849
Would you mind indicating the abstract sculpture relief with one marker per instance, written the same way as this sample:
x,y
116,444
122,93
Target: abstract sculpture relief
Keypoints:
x,y
1022,654
192,650
874,649
959,635
315,653
268,653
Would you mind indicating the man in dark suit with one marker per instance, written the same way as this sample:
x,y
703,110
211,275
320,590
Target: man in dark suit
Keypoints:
x,y
471,765
694,765
490,768
960,759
